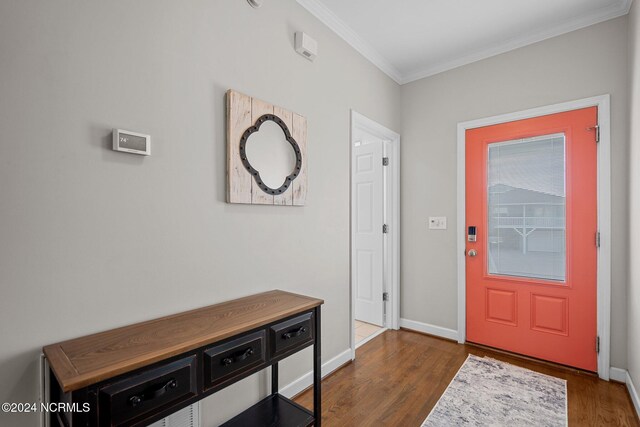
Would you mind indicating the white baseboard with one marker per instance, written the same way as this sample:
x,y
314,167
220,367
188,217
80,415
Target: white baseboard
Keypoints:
x,y
618,374
306,380
622,375
438,331
633,391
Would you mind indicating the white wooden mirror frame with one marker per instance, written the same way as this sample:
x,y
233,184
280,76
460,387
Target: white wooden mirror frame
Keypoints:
x,y
242,113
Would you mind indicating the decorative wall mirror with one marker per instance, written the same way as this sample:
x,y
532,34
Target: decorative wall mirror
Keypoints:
x,y
266,153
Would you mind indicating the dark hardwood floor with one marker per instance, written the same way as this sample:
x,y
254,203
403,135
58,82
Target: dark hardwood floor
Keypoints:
x,y
399,376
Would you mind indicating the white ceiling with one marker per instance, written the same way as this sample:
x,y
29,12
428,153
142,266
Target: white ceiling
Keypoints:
x,y
412,39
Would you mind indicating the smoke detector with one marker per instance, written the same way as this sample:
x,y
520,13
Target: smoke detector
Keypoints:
x,y
306,46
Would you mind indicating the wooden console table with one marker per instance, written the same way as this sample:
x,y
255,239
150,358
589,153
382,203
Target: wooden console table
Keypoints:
x,y
138,374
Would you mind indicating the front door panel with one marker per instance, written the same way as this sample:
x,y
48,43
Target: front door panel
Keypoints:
x,y
531,194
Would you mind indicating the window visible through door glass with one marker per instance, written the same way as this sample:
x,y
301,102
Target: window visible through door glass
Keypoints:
x,y
527,208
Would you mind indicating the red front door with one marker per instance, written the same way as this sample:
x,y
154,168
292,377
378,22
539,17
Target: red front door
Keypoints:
x,y
531,194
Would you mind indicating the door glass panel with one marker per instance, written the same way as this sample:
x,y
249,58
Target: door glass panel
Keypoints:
x,y
526,202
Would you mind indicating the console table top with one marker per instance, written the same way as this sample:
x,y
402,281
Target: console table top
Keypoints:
x,y
87,360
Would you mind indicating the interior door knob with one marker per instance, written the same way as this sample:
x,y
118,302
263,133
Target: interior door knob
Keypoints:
x,y
472,252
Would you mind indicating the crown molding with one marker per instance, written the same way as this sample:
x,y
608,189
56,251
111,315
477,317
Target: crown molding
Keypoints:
x,y
627,5
599,15
326,16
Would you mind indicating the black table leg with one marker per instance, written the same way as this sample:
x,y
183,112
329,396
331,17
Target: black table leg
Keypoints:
x,y
317,374
274,378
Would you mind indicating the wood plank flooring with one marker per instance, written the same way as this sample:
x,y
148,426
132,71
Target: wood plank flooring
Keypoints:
x,y
399,376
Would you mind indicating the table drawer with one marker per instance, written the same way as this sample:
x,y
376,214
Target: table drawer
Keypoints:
x,y
291,334
241,356
132,399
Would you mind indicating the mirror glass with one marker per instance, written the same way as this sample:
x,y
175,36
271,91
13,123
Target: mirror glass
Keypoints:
x,y
270,154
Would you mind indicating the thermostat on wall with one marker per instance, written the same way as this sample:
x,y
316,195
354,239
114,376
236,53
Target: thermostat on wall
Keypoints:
x,y
131,142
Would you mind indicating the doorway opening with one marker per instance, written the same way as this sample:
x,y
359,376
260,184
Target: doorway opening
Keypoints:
x,y
375,229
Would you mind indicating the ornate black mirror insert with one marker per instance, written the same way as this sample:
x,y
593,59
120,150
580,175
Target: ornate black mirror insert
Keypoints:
x,y
254,172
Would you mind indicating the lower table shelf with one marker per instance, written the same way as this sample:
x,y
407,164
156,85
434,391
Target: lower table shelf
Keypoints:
x,y
273,411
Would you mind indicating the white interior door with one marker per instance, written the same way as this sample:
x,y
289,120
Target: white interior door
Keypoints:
x,y
368,261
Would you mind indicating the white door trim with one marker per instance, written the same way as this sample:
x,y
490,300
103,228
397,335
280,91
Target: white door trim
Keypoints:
x,y
604,212
392,319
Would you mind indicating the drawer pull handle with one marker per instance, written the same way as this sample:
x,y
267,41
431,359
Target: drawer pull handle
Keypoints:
x,y
301,330
237,357
137,400
162,390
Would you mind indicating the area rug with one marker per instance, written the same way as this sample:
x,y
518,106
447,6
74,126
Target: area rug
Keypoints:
x,y
487,392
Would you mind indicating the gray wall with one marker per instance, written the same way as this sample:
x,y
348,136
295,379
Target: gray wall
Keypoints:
x,y
93,239
584,63
633,293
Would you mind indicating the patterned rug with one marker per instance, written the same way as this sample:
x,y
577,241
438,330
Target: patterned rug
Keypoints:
x,y
487,392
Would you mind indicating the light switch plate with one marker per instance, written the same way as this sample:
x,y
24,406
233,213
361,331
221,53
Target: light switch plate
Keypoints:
x,y
437,223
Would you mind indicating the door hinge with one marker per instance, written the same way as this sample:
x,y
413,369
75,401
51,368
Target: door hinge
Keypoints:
x,y
385,296
385,161
597,129
597,239
598,345
385,228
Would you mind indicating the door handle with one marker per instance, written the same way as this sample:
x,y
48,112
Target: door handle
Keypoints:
x,y
472,252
